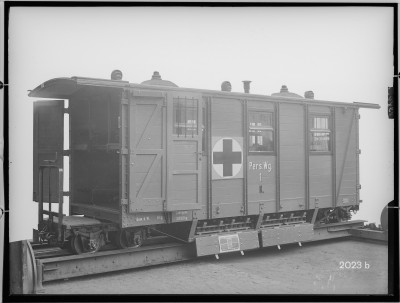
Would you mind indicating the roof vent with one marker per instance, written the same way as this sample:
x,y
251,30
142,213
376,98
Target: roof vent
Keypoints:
x,y
284,92
116,75
246,86
284,89
226,86
156,76
156,80
309,94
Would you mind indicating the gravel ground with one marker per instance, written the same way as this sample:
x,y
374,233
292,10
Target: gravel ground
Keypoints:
x,y
312,269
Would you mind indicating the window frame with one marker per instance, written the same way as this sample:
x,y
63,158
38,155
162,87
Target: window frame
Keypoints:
x,y
272,128
312,130
194,105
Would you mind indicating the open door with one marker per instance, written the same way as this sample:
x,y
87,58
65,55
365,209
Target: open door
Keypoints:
x,y
48,145
184,155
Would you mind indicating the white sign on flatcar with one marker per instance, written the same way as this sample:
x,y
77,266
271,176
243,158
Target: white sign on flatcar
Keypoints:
x,y
227,157
229,243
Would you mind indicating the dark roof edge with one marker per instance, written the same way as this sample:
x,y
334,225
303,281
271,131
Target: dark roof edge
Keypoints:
x,y
236,95
72,85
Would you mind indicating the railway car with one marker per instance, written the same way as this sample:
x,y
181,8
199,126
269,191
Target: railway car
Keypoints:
x,y
227,170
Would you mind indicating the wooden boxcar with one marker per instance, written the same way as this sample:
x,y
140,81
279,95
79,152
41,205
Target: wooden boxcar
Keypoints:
x,y
191,163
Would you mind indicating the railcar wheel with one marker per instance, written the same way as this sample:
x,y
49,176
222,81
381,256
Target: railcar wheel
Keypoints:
x,y
72,244
52,240
76,244
128,239
81,245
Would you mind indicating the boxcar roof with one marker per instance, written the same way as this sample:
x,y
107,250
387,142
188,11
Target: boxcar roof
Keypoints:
x,y
64,88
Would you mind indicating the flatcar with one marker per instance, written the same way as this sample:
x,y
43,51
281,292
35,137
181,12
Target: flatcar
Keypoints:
x,y
227,170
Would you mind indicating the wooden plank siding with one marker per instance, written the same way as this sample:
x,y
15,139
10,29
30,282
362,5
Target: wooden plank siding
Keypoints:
x,y
48,144
346,157
292,157
261,182
315,109
320,175
184,182
203,212
320,164
184,157
227,194
226,118
261,188
168,167
147,154
206,205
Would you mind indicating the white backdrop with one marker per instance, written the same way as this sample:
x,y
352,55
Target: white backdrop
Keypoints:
x,y
342,54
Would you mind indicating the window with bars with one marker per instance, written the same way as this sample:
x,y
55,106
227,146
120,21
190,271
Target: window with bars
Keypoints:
x,y
261,132
320,134
185,117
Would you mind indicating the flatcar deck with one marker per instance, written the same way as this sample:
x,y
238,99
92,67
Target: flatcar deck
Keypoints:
x,y
313,269
56,266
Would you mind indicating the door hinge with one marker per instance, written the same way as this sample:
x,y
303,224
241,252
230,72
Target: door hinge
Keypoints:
x,y
359,186
66,152
124,201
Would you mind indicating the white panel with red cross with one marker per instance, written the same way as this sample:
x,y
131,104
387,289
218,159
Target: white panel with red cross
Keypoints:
x,y
227,157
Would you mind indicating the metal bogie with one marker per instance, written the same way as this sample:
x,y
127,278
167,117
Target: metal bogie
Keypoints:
x,y
83,241
129,238
82,244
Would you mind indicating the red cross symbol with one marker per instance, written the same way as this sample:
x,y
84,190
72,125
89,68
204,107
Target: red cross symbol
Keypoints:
x,y
227,157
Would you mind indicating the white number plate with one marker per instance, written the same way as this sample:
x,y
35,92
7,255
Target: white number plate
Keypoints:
x,y
229,243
